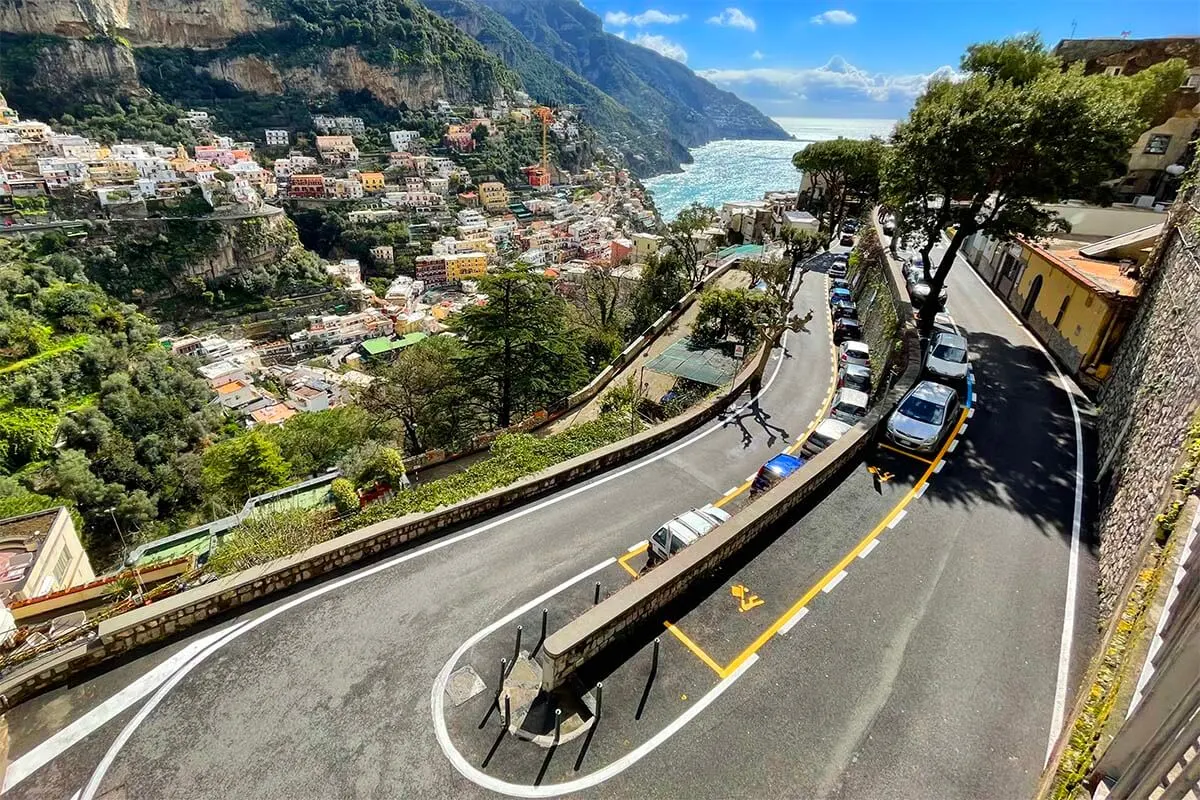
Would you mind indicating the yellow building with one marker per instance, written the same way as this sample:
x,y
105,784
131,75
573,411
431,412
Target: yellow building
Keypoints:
x,y
645,245
1078,304
371,181
468,265
493,195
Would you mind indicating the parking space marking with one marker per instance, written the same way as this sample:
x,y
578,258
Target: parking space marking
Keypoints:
x,y
896,520
887,446
962,430
953,446
731,491
833,583
791,623
697,651
938,466
633,552
867,551
921,491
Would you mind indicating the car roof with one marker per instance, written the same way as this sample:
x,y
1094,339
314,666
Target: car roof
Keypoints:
x,y
857,347
857,369
855,396
847,322
784,464
952,339
832,428
933,391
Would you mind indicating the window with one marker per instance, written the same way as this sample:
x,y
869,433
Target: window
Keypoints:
x,y
61,565
1192,82
1112,71
1062,309
1158,144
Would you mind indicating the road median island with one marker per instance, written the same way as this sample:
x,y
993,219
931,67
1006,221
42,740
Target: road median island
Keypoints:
x,y
601,633
156,623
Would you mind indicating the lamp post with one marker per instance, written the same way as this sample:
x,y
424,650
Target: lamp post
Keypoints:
x,y
125,554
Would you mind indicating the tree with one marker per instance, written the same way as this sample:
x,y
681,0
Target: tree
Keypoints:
x,y
345,498
661,286
803,244
682,236
772,314
846,168
315,441
728,314
981,153
519,353
237,469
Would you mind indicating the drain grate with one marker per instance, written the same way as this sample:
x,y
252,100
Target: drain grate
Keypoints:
x,y
464,684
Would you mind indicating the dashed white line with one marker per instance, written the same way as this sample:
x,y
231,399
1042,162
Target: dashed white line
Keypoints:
x,y
953,446
638,545
895,520
939,466
963,429
731,491
922,490
867,550
791,623
836,580
971,411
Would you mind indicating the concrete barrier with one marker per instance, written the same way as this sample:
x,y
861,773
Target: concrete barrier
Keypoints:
x,y
606,626
159,621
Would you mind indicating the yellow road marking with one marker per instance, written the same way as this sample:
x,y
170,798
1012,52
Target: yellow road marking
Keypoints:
x,y
623,560
829,576
695,648
887,446
732,494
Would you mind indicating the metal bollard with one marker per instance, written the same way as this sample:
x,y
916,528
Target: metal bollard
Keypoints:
x,y
517,646
503,675
654,660
596,599
557,724
599,698
507,711
545,615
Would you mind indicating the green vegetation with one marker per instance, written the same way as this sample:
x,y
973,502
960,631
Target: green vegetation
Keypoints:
x,y
980,154
849,171
268,536
327,231
728,315
345,498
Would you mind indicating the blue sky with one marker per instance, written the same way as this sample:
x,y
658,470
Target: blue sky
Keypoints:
x,y
862,58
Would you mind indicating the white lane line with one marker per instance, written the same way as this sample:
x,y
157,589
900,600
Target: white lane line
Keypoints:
x,y
971,411
891,525
836,580
963,429
469,771
1067,638
60,742
731,491
867,550
953,446
939,466
922,490
791,623
635,546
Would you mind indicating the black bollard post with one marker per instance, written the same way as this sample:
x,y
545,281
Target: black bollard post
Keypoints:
x,y
596,599
599,698
557,725
545,615
517,646
654,660
503,675
507,711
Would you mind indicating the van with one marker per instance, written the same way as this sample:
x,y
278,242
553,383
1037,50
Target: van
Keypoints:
x,y
849,405
777,469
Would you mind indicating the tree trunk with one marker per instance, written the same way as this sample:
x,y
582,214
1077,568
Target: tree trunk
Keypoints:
x,y
764,358
410,428
938,279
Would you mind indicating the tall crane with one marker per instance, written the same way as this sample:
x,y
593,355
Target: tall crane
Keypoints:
x,y
547,117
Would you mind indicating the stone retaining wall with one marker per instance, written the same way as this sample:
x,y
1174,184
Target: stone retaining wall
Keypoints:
x,y
606,626
1149,400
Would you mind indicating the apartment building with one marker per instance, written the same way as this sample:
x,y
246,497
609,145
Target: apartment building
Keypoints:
x,y
493,195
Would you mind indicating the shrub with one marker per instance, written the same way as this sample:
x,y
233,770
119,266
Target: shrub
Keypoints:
x,y
345,498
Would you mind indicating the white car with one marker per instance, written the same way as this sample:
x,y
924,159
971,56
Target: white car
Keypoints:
x,y
854,353
947,356
849,405
684,530
924,417
825,434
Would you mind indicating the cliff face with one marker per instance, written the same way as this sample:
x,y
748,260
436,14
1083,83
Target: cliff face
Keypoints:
x,y
160,22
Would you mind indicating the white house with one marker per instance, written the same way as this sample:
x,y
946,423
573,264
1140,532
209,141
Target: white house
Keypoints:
x,y
276,137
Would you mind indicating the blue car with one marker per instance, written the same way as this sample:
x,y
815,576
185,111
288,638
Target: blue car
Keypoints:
x,y
836,293
778,468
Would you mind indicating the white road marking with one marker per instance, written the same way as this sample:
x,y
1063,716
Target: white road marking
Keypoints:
x,y
731,491
791,623
939,466
971,411
836,580
922,490
1067,638
953,446
895,521
642,543
867,550
469,771
963,429
64,739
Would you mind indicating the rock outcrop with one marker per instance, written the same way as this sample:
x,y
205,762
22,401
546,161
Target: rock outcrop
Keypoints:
x,y
177,23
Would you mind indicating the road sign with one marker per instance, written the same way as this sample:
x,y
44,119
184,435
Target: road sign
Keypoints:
x,y
739,351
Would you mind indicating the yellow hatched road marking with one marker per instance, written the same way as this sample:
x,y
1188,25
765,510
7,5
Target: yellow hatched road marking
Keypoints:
x,y
624,560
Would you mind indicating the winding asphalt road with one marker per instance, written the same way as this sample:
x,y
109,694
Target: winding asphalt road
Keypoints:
x,y
931,671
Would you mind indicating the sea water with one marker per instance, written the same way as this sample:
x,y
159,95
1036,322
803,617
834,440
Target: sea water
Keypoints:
x,y
742,169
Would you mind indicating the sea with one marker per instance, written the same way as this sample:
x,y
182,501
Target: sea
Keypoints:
x,y
742,169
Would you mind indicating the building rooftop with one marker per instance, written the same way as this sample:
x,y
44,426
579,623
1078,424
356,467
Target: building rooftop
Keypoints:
x,y
231,387
1106,277
383,344
272,414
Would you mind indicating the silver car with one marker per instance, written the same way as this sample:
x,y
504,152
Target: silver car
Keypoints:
x,y
947,356
825,434
684,530
923,417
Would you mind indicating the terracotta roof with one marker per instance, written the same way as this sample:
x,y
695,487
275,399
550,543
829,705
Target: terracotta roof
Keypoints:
x,y
1104,277
230,388
272,414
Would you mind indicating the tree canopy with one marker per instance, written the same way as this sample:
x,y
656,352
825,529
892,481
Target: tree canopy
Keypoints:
x,y
847,168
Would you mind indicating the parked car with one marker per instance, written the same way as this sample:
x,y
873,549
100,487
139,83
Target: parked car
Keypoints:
x,y
838,283
846,329
855,376
683,530
924,416
838,268
847,240
854,353
843,307
825,434
919,295
778,468
850,226
889,227
838,292
947,356
849,405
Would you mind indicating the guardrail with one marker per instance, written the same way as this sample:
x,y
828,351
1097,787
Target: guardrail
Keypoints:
x,y
605,627
161,620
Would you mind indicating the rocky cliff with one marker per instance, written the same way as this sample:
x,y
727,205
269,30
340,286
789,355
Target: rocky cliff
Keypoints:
x,y
151,22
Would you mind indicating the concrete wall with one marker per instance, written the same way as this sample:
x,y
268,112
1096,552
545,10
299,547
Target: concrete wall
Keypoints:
x,y
1149,400
630,608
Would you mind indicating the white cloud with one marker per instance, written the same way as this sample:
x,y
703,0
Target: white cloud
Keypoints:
x,y
838,80
757,55
620,34
734,18
834,17
662,45
651,16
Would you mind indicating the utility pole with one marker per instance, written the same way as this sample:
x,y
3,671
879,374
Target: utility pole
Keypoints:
x,y
125,555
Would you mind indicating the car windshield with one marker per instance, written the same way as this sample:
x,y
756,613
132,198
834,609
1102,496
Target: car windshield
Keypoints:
x,y
922,410
948,352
